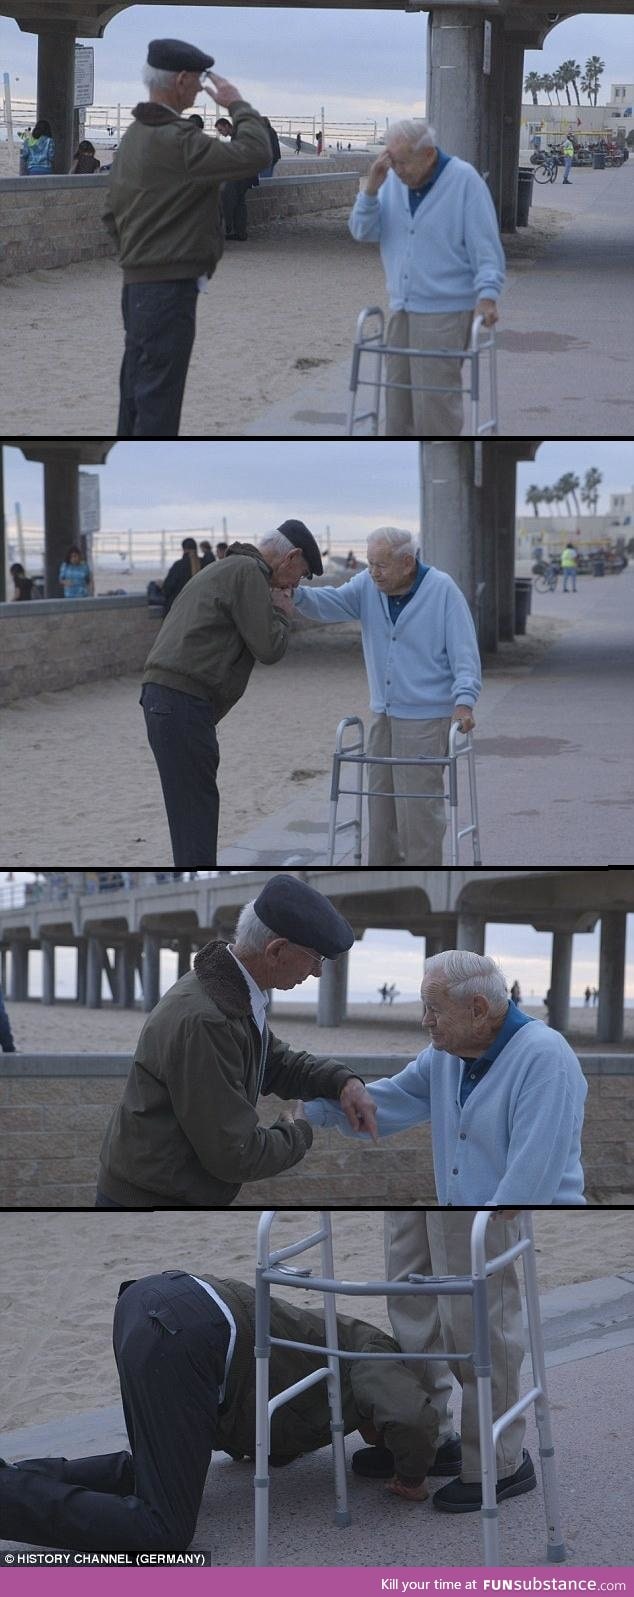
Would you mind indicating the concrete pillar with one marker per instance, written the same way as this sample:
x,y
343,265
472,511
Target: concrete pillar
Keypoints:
x,y
19,971
488,633
3,969
184,955
151,969
112,972
82,964
3,546
471,934
48,971
94,971
506,483
333,992
511,123
451,514
61,517
443,937
56,89
612,977
491,138
455,44
126,975
560,980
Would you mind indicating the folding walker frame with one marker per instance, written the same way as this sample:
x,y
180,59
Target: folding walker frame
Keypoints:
x,y
373,343
271,1270
355,754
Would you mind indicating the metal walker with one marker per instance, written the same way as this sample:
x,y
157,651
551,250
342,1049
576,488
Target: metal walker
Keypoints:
x,y
373,343
355,754
272,1271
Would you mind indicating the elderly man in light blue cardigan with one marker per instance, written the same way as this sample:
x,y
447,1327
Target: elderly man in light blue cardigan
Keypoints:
x,y
423,665
434,219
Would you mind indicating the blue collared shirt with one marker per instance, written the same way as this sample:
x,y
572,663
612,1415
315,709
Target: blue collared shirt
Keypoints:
x,y
416,195
398,602
475,1069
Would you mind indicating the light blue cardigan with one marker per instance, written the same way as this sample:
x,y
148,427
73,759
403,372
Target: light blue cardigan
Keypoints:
x,y
419,666
446,256
516,1141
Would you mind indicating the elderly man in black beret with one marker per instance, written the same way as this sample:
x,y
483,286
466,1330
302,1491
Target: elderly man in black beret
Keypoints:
x,y
163,213
186,1133
228,616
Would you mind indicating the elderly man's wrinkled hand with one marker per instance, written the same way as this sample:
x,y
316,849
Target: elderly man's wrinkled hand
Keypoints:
x,y
413,1494
464,714
283,601
287,1117
487,309
223,92
378,173
359,1108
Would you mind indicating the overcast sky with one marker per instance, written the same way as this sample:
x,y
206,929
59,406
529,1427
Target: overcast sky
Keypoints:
x,y
353,486
357,64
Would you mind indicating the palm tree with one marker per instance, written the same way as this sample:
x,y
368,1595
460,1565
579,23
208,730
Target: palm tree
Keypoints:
x,y
566,77
568,484
533,84
558,83
570,71
534,496
548,496
590,490
594,67
575,71
548,84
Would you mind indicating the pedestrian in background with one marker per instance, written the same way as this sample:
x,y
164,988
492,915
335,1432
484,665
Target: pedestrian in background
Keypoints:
x,y
84,160
22,585
37,154
6,1035
568,152
181,571
74,574
207,556
569,561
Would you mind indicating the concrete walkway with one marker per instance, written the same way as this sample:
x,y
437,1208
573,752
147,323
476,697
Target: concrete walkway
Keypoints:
x,y
565,342
593,1320
555,760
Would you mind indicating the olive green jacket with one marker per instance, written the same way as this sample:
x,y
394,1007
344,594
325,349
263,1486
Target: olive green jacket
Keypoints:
x,y
388,1395
222,622
162,208
186,1131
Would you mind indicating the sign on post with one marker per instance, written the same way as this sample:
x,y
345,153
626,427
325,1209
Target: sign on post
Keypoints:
x,y
486,54
89,511
84,75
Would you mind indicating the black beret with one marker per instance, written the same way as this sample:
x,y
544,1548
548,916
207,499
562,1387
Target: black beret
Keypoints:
x,y
298,534
173,55
297,912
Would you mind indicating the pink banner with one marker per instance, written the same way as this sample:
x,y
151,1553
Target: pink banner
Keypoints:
x,y
98,1579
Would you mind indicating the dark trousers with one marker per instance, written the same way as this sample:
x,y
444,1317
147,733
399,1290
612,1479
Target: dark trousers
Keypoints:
x,y
160,327
234,207
6,1035
182,736
170,1344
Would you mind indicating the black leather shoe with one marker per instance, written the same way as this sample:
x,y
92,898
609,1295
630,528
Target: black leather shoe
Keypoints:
x,y
465,1497
376,1463
448,1460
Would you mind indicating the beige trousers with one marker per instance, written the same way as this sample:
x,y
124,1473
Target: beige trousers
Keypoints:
x,y
437,1242
411,414
406,831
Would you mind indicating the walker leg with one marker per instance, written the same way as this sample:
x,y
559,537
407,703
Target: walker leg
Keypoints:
x,y
473,802
482,1367
555,1545
358,817
262,1432
342,1516
453,811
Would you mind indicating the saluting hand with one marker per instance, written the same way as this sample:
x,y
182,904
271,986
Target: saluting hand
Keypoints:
x,y
223,92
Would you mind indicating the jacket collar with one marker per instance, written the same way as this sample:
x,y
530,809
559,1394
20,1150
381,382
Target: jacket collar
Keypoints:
x,y
154,115
222,980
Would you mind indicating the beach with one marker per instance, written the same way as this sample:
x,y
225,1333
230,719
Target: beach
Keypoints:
x,y
83,752
61,1273
370,1027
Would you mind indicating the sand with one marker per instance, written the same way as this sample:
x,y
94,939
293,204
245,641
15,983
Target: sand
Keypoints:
x,y
83,753
61,1272
280,306
370,1028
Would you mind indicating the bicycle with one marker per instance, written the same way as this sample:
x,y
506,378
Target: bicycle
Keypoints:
x,y
547,580
546,167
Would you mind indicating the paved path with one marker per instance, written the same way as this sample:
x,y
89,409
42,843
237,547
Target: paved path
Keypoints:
x,y
554,748
590,1320
565,344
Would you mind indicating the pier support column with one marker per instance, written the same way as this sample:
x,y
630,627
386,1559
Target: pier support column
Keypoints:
x,y
94,971
19,972
333,992
560,981
48,971
610,1026
471,935
82,963
184,955
151,970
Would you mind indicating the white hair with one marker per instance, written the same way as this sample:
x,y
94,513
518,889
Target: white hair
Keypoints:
x,y
416,132
398,540
466,975
158,78
277,543
251,934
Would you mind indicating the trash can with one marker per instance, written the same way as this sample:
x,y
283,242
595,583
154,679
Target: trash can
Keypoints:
x,y
598,568
523,601
598,160
525,179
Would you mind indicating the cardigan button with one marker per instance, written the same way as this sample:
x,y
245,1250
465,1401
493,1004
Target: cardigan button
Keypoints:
x,y
463,1136
455,1170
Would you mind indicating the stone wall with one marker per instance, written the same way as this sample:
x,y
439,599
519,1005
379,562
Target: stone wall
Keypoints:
x,y
55,643
52,1121
51,221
